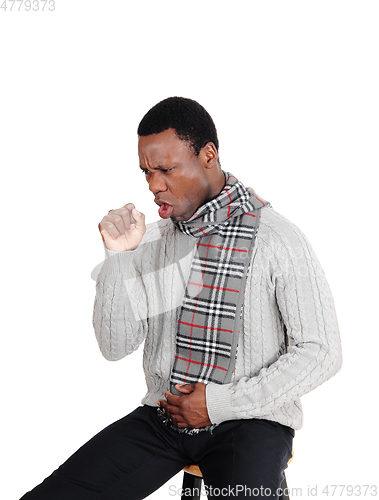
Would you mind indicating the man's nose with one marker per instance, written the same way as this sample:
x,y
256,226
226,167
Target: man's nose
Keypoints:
x,y
156,182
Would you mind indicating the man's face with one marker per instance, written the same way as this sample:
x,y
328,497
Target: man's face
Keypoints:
x,y
178,179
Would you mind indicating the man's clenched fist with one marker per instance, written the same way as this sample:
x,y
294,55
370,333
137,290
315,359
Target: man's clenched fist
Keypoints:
x,y
122,229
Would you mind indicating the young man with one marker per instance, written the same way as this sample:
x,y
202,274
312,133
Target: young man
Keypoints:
x,y
237,318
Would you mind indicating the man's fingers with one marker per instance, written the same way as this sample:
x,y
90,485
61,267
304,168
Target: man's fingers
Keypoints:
x,y
174,413
121,218
126,211
108,226
115,220
118,221
171,399
171,404
185,389
139,219
170,410
181,424
104,234
129,206
125,217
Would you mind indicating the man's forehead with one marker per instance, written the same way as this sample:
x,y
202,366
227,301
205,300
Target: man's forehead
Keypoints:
x,y
163,146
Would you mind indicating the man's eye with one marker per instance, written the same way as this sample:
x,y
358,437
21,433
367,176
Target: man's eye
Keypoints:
x,y
166,169
144,171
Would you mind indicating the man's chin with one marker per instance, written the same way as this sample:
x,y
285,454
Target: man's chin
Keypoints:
x,y
181,218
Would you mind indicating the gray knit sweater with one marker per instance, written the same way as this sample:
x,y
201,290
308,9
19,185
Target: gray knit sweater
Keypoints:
x,y
289,342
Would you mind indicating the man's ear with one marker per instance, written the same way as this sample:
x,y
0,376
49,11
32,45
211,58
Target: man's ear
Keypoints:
x,y
209,155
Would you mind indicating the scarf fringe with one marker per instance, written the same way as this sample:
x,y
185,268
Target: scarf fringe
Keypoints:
x,y
183,430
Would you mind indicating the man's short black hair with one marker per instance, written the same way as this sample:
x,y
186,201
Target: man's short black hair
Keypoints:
x,y
190,120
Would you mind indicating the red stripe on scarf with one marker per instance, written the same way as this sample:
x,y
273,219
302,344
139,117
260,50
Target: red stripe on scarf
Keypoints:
x,y
213,287
230,198
255,196
222,248
205,327
200,363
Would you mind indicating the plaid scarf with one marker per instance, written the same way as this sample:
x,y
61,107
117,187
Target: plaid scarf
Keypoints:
x,y
211,314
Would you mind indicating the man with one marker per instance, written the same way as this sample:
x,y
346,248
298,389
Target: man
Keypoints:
x,y
237,318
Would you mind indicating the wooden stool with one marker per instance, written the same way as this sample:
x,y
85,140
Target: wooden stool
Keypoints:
x,y
192,478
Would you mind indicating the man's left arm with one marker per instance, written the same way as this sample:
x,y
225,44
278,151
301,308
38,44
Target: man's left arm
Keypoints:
x,y
306,307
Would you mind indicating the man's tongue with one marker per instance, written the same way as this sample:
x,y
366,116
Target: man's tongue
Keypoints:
x,y
165,210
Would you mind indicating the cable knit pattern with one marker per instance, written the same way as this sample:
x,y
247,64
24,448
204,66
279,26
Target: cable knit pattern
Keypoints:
x,y
289,343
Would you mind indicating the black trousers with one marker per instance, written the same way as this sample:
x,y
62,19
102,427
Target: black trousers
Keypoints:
x,y
134,456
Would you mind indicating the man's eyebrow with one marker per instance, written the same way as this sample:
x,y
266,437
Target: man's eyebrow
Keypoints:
x,y
159,167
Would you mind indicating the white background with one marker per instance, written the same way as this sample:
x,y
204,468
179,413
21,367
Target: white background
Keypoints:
x,y
293,89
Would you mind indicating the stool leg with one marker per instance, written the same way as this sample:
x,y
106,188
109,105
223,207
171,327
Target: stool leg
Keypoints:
x,y
193,482
283,487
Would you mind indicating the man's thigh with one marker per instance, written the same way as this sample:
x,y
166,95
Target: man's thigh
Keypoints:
x,y
247,460
131,458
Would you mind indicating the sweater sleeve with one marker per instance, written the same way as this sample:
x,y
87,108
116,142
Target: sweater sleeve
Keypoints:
x,y
305,306
119,315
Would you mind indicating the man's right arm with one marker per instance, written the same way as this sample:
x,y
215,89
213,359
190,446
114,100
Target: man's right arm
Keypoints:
x,y
119,316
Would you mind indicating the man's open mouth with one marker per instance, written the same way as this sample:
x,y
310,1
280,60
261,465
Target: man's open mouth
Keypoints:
x,y
165,209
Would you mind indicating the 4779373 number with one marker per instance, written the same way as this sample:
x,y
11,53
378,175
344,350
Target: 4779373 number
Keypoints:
x,y
27,5
349,490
